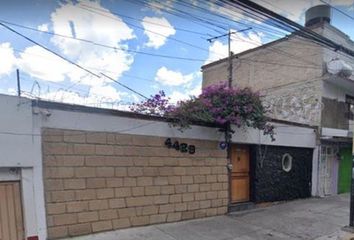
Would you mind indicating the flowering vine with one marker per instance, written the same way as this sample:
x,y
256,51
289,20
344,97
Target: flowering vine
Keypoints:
x,y
156,105
216,104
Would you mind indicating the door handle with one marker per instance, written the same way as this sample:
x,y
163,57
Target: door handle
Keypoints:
x,y
229,166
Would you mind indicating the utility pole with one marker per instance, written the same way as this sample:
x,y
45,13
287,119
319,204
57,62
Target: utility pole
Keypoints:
x,y
229,50
18,83
228,130
230,58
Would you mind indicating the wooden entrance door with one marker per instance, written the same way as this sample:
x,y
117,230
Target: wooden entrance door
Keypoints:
x,y
11,224
240,175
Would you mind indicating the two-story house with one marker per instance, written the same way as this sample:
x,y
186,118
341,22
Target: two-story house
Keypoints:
x,y
306,83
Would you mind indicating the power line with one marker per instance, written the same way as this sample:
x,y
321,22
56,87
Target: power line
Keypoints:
x,y
96,69
86,92
128,24
69,61
258,16
148,80
274,6
284,53
47,49
121,84
212,22
99,12
152,23
102,45
213,13
184,15
298,29
242,59
337,9
268,30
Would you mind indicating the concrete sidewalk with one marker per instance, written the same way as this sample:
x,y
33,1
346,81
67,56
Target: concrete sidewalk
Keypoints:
x,y
318,219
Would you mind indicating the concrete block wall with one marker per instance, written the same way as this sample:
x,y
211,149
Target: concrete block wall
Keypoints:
x,y
97,181
278,64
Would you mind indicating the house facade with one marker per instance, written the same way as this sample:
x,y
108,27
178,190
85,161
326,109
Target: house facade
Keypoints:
x,y
68,170
305,83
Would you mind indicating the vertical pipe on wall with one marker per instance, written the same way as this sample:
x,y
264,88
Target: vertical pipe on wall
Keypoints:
x,y
315,171
28,201
228,140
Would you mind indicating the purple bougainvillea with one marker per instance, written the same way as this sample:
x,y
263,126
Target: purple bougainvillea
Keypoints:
x,y
216,104
156,105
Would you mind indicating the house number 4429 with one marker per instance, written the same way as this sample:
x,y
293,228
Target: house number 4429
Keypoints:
x,y
182,147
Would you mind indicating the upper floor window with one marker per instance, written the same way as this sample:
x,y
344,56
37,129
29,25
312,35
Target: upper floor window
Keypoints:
x,y
350,101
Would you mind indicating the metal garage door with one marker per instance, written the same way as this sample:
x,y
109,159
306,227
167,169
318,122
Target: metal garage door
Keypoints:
x,y
11,223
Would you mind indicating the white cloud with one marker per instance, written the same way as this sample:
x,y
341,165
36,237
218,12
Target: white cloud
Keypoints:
x,y
42,64
65,96
159,7
73,21
110,30
106,91
11,91
70,20
196,91
43,27
7,59
157,30
239,43
173,78
177,96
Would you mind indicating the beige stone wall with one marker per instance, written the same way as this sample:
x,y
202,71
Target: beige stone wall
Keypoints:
x,y
281,63
103,181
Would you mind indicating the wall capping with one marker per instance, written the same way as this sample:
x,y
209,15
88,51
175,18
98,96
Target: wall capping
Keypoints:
x,y
119,113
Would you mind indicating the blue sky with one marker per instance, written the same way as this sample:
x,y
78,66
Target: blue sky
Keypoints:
x,y
177,29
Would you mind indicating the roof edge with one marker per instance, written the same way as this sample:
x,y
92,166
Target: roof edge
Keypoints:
x,y
110,112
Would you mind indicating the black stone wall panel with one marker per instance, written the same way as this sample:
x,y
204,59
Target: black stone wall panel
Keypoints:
x,y
271,183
